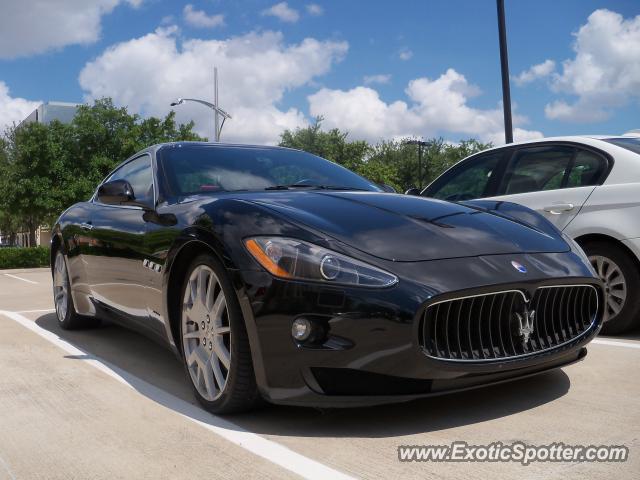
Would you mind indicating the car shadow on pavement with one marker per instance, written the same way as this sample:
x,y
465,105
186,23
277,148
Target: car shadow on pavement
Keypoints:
x,y
154,371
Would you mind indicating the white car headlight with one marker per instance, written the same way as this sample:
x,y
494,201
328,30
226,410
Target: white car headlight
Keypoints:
x,y
295,259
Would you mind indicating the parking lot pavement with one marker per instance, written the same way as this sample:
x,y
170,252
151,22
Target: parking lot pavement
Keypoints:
x,y
108,403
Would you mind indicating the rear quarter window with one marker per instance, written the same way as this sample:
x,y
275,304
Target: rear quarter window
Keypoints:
x,y
629,143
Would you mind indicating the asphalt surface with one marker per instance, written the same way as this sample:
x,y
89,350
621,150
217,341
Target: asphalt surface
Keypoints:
x,y
109,403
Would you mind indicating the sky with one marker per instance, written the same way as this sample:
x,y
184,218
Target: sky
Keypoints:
x,y
377,69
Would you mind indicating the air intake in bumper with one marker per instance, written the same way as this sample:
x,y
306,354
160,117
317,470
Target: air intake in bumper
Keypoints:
x,y
507,324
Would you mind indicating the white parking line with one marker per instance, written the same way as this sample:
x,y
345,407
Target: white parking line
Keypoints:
x,y
44,310
616,343
267,449
8,470
19,278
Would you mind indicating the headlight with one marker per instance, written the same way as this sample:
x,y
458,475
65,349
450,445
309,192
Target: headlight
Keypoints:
x,y
295,259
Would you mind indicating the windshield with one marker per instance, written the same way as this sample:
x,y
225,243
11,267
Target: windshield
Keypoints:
x,y
630,143
191,169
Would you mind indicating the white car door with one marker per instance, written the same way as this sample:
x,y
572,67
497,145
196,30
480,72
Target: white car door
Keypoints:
x,y
554,180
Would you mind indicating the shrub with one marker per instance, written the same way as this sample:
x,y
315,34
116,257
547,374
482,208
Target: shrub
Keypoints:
x,y
24,257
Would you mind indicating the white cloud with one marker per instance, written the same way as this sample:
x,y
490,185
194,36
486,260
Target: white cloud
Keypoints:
x,y
314,9
405,54
581,111
382,79
541,70
255,71
199,19
434,106
605,72
283,12
29,27
13,110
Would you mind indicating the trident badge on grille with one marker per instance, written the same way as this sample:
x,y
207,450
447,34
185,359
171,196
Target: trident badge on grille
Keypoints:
x,y
525,321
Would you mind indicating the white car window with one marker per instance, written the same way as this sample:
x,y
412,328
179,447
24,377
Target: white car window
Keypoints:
x,y
537,169
586,170
470,180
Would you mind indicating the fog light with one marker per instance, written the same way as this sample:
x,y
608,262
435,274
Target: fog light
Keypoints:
x,y
301,329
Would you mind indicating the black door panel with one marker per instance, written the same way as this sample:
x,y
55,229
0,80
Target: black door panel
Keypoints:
x,y
114,261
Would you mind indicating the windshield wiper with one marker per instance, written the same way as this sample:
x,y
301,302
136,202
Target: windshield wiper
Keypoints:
x,y
317,187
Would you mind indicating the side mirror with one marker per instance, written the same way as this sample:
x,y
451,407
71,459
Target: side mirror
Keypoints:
x,y
413,191
116,192
388,188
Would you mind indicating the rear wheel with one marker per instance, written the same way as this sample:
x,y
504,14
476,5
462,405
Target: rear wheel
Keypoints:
x,y
621,278
215,346
68,319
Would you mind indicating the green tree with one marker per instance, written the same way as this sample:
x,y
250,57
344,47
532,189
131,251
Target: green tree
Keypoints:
x,y
46,168
332,145
9,224
31,176
391,162
437,156
105,135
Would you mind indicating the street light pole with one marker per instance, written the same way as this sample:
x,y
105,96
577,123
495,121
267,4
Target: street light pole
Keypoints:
x,y
420,166
217,111
504,67
420,145
216,121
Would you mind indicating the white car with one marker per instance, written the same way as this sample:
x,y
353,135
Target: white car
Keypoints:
x,y
588,186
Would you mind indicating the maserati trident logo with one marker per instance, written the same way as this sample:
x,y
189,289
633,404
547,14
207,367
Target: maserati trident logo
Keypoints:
x,y
525,322
518,266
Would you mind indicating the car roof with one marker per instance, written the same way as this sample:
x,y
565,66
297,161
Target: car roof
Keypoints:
x,y
565,138
158,146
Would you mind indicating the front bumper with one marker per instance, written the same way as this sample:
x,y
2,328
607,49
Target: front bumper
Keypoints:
x,y
372,354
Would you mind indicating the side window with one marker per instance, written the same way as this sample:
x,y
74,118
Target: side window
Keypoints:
x,y
587,169
469,180
138,173
536,169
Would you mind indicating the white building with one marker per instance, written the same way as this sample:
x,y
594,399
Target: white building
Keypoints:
x,y
47,112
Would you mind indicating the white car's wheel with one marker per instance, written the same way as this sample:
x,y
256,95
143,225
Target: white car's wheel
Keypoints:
x,y
618,271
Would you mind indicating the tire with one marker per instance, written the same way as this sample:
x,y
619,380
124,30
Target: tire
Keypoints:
x,y
68,319
214,342
619,272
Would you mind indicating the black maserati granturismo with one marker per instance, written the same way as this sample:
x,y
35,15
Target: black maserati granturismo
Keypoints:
x,y
275,274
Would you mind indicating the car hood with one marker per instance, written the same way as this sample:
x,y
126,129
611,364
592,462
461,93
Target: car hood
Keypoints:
x,y
409,228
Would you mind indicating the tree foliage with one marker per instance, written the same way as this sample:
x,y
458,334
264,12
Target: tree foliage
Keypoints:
x,y
46,168
392,162
332,145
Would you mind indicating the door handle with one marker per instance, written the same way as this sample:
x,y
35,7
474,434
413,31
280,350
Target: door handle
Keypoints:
x,y
558,208
86,226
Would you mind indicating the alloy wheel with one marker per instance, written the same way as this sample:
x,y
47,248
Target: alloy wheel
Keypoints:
x,y
614,282
60,287
206,333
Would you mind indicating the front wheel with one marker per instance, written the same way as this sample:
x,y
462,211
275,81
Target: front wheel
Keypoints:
x,y
215,346
621,278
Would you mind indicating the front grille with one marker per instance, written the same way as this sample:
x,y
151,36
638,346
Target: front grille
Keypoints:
x,y
498,325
